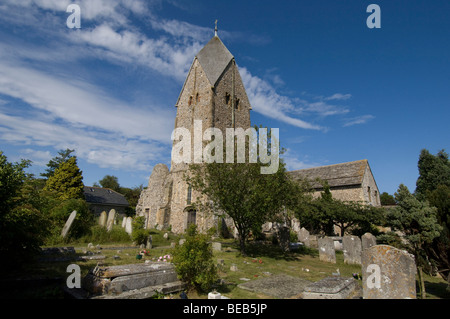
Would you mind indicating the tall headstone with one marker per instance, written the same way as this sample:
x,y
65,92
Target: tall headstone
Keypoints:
x,y
388,273
326,250
124,221
303,236
351,246
102,219
129,225
283,235
368,240
111,218
68,224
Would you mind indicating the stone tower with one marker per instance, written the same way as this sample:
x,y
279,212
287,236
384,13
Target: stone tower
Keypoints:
x,y
214,94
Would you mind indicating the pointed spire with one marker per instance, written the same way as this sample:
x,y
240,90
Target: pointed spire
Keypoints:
x,y
215,29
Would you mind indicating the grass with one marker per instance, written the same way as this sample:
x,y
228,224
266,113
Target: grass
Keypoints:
x,y
303,263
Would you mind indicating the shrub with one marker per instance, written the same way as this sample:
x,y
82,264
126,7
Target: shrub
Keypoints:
x,y
194,261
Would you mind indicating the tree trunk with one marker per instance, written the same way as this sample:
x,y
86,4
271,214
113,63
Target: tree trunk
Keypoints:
x,y
423,294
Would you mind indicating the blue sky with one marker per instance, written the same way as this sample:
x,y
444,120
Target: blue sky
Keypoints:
x,y
337,90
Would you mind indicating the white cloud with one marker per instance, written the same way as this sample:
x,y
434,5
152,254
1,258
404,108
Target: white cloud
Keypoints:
x,y
338,96
359,120
267,101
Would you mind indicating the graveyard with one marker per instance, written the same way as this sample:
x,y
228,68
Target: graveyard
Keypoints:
x,y
266,272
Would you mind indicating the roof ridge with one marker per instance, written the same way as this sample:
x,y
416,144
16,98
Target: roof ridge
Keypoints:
x,y
338,164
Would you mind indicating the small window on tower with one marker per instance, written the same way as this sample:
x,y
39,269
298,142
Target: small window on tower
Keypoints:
x,y
197,98
237,104
227,98
190,101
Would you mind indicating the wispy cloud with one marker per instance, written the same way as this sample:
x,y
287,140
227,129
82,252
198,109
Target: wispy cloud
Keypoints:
x,y
358,120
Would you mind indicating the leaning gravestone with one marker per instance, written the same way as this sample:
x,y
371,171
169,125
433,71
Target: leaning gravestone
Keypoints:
x,y
326,250
102,219
352,249
68,224
368,240
388,273
110,221
124,221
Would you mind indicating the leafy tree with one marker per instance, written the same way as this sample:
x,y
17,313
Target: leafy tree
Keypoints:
x,y
67,181
53,164
240,191
434,170
111,182
387,199
22,227
417,221
433,185
194,261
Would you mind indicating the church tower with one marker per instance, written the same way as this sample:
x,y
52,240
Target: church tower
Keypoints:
x,y
214,94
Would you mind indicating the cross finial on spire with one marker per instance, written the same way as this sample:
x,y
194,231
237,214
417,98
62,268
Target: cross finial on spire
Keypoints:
x,y
215,29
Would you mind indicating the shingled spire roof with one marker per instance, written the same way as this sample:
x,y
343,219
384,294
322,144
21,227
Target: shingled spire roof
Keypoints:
x,y
214,59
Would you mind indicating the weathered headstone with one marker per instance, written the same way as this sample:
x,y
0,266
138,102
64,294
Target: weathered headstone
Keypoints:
x,y
333,288
388,273
368,240
326,250
303,236
313,241
124,221
102,219
129,225
111,218
149,242
352,249
68,224
283,235
216,246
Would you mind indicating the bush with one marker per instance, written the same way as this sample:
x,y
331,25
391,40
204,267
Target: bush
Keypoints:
x,y
140,236
194,261
100,235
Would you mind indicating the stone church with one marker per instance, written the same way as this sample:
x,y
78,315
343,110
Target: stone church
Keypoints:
x,y
214,94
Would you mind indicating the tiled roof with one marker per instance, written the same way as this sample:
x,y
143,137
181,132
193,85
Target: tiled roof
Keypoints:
x,y
214,58
345,174
106,196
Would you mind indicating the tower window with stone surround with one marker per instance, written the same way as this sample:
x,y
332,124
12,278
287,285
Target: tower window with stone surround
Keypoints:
x,y
189,195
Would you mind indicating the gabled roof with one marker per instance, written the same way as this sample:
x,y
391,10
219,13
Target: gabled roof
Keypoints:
x,y
104,196
345,174
214,59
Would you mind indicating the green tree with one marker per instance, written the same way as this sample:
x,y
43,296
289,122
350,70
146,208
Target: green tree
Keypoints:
x,y
387,199
417,221
111,182
67,181
194,261
241,192
22,227
53,164
434,170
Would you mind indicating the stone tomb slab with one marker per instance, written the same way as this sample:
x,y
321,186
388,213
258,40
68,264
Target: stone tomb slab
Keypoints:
x,y
278,286
333,288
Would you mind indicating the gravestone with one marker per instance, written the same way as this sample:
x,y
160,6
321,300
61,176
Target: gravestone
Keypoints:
x,y
368,240
129,225
68,224
388,273
333,288
283,235
352,249
102,219
303,236
313,241
110,221
135,281
124,221
326,250
149,244
216,246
